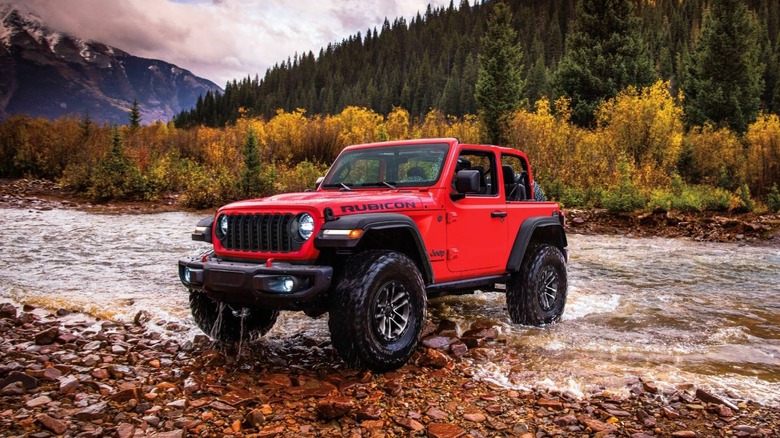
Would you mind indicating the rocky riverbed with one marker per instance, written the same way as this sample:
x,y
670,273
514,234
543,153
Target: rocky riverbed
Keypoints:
x,y
73,375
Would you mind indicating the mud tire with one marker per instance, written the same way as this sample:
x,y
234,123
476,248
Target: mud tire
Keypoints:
x,y
225,325
363,331
538,193
536,295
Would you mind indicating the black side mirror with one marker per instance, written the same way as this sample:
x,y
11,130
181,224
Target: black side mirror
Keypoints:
x,y
468,181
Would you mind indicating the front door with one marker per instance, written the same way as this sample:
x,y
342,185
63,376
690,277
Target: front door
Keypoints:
x,y
476,224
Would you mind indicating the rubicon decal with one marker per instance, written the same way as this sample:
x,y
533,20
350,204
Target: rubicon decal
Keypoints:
x,y
377,207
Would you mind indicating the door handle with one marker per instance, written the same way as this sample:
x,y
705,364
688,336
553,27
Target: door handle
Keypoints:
x,y
498,214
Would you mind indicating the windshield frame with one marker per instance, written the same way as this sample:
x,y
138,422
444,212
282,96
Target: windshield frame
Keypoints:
x,y
387,167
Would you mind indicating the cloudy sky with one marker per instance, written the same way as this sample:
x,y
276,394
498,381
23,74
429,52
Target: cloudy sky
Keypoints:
x,y
220,40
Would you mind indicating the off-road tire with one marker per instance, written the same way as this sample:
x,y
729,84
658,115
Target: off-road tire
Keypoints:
x,y
376,291
222,323
536,295
538,193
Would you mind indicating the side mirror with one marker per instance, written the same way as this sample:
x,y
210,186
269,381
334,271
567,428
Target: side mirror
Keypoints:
x,y
468,181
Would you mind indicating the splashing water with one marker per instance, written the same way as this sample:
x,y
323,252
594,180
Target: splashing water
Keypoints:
x,y
662,309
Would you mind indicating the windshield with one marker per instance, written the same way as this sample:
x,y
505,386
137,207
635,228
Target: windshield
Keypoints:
x,y
391,166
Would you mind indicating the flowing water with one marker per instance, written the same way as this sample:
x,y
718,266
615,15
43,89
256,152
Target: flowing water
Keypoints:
x,y
667,310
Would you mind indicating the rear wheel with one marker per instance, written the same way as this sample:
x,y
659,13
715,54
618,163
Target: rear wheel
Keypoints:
x,y
229,324
378,311
537,294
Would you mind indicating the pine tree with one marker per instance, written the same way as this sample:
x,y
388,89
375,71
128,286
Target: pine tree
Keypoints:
x,y
135,115
604,54
723,84
499,81
252,182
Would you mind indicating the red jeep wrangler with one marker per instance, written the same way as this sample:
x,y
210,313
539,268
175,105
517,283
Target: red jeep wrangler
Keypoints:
x,y
389,226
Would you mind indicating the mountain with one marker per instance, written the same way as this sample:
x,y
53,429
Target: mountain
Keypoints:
x,y
51,74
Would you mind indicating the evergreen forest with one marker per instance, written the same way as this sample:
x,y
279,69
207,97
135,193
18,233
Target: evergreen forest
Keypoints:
x,y
431,61
627,105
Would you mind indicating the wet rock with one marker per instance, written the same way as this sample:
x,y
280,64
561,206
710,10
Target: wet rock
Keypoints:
x,y
438,342
550,404
459,349
255,418
13,388
125,430
27,381
475,417
684,434
270,431
69,384
47,336
372,412
410,423
281,380
126,395
435,359
334,407
170,434
437,414
51,373
7,311
445,430
712,398
92,412
58,427
38,401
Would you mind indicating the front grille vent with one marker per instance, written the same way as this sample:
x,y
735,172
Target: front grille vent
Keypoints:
x,y
260,232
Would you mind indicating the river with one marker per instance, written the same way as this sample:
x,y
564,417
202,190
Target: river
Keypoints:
x,y
668,310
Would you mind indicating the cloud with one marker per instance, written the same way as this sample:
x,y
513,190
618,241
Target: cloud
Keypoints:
x,y
220,39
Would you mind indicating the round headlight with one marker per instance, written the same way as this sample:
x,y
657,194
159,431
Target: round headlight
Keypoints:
x,y
222,226
305,226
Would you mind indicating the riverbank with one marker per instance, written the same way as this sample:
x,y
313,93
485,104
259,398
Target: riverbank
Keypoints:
x,y
760,229
73,375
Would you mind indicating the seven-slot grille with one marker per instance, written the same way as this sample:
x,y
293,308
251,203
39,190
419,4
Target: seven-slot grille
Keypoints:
x,y
260,232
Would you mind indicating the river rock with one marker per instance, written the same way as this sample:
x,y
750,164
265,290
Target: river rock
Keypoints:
x,y
7,311
38,401
712,398
445,430
57,426
92,412
334,407
47,336
27,381
435,358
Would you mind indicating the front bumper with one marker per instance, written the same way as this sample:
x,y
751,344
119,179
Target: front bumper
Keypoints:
x,y
257,284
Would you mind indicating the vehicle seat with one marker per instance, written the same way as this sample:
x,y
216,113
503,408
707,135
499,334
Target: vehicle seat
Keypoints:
x,y
415,174
514,191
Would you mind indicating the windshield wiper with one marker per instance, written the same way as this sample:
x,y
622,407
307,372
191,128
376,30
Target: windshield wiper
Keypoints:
x,y
340,185
380,183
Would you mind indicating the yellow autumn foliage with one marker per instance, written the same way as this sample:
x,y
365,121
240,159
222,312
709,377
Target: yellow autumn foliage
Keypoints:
x,y
638,154
763,154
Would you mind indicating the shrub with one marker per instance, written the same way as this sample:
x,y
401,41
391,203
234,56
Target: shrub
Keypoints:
x,y
690,198
773,200
742,202
626,196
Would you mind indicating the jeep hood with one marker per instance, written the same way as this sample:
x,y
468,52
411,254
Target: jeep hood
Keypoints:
x,y
340,203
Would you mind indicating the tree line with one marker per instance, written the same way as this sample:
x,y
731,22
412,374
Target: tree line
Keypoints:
x,y
432,60
608,133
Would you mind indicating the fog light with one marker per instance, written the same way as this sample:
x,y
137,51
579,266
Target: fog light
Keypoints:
x,y
282,284
187,275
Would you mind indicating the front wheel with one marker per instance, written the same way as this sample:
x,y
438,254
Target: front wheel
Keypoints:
x,y
537,294
229,324
378,311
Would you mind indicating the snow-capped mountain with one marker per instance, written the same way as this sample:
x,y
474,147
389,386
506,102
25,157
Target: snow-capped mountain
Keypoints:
x,y
51,74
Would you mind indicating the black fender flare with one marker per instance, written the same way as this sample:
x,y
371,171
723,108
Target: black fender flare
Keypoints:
x,y
374,222
551,224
